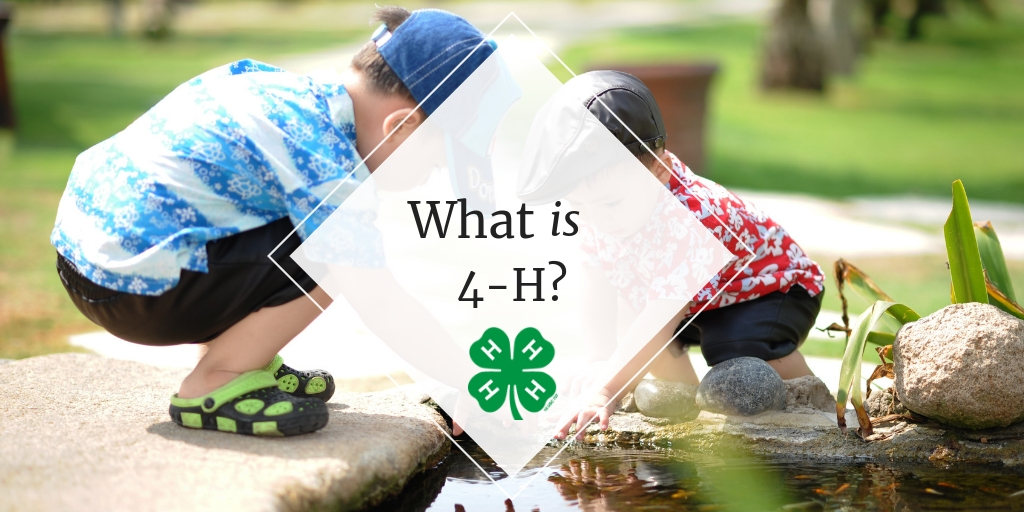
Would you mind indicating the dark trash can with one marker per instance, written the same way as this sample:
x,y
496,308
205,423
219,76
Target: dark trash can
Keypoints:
x,y
681,91
6,103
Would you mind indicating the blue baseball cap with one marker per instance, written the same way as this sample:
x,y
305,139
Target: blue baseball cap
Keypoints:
x,y
433,49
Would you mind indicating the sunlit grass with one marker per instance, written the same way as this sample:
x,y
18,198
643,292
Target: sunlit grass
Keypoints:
x,y
912,120
915,117
72,91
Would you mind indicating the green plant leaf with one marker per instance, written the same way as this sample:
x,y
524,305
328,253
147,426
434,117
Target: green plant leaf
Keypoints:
x,y
965,267
850,373
862,283
848,274
992,258
1004,302
882,338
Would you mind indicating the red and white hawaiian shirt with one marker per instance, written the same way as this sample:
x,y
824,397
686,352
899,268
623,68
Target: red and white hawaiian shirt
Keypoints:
x,y
776,261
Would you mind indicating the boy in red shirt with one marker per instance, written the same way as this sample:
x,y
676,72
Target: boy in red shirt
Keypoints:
x,y
762,304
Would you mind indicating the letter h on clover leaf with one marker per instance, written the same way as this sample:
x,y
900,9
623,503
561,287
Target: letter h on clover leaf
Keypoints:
x,y
510,371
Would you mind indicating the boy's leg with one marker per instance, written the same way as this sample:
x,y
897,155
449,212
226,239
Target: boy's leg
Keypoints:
x,y
679,369
675,368
251,343
673,363
792,366
771,328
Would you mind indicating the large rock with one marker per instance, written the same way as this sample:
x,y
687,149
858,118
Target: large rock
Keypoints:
x,y
963,365
666,399
80,432
743,386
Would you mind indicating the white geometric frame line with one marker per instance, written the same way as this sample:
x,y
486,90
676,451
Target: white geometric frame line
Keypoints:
x,y
443,428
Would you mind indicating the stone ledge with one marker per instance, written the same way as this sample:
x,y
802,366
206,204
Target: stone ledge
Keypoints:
x,y
81,432
809,433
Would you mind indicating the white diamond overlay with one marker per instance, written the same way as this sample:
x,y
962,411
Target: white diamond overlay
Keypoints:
x,y
418,279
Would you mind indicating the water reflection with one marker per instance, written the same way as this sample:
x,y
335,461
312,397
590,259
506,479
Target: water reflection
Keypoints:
x,y
602,483
644,480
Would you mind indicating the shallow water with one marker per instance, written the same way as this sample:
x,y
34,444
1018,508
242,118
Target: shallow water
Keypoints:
x,y
619,479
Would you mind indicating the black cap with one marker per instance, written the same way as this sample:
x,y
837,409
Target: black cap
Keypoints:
x,y
621,96
561,150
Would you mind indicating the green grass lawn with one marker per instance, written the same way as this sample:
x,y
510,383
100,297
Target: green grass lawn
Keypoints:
x,y
72,91
915,117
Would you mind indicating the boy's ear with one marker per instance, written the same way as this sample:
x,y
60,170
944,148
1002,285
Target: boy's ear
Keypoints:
x,y
396,118
662,167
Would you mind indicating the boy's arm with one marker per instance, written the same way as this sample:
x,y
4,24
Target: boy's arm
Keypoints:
x,y
651,336
396,317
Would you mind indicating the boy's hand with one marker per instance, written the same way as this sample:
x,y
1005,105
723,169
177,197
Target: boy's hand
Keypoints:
x,y
598,409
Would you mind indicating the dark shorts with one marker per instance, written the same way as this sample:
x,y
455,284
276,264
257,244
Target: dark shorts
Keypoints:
x,y
201,306
768,327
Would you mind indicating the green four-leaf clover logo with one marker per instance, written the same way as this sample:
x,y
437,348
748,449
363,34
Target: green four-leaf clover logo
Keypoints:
x,y
532,389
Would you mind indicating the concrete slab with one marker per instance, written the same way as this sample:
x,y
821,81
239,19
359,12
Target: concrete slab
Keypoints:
x,y
82,432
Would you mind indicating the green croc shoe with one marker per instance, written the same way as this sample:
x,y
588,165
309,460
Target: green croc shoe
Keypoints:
x,y
313,383
251,404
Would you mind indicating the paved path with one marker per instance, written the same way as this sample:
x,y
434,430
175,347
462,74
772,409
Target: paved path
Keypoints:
x,y
81,432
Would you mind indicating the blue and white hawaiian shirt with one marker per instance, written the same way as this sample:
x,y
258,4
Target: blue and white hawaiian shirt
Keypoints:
x,y
231,150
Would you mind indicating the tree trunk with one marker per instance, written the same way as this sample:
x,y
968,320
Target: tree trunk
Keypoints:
x,y
922,8
116,17
6,102
880,10
842,37
159,16
794,56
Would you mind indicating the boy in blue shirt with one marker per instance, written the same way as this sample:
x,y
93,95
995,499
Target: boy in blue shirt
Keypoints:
x,y
164,230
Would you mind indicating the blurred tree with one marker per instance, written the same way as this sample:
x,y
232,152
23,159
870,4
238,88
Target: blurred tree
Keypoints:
x,y
159,17
794,54
837,22
914,12
6,105
116,17
918,10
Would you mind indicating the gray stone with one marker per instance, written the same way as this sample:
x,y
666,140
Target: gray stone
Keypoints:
x,y
883,403
80,432
744,386
808,392
963,366
666,399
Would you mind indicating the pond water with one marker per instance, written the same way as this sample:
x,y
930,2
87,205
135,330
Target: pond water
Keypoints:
x,y
643,480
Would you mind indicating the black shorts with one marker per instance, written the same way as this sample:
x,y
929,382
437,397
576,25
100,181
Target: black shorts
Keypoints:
x,y
767,327
201,306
